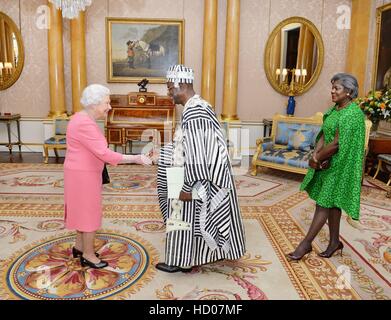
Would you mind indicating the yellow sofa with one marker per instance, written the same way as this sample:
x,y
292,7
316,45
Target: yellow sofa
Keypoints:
x,y
276,152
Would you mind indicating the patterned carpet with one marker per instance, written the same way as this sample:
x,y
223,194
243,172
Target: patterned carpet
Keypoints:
x,y
35,249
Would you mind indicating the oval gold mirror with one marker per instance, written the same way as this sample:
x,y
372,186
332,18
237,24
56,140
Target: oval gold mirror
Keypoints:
x,y
294,56
11,52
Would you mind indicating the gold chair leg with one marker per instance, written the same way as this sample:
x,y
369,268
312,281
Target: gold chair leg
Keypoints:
x,y
253,171
46,158
378,169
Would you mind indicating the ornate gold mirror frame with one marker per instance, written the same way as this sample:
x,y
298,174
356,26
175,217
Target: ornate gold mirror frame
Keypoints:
x,y
302,84
9,74
382,41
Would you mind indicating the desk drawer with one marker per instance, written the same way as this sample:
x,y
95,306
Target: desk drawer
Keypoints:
x,y
114,136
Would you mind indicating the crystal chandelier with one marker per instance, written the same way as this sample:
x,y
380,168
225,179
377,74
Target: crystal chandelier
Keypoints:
x,y
71,8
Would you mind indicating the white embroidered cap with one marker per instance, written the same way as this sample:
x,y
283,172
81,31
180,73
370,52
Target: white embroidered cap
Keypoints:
x,y
180,74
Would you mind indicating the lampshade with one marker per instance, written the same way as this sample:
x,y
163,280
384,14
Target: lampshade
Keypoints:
x,y
1,65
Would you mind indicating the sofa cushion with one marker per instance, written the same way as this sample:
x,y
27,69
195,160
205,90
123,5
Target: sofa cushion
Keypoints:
x,y
282,134
296,158
385,157
53,140
315,130
301,139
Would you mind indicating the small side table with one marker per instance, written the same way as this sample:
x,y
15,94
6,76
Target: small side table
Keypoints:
x,y
8,119
267,125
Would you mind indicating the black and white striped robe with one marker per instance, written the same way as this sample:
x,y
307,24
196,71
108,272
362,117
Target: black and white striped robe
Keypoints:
x,y
217,228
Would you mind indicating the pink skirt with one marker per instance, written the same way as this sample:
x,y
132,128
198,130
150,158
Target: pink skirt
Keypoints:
x,y
83,200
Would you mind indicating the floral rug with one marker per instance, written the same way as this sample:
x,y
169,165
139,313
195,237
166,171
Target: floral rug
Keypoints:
x,y
36,261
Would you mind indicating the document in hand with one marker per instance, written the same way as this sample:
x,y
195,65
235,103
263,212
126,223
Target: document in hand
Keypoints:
x,y
175,180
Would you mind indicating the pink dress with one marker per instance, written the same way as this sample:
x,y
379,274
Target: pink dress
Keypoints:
x,y
86,154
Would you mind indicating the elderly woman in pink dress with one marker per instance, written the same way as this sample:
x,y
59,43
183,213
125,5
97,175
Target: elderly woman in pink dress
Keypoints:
x,y
87,152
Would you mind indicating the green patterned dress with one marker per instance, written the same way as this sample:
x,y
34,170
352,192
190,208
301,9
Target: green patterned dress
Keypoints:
x,y
339,186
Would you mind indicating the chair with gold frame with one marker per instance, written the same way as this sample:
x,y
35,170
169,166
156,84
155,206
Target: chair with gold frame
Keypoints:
x,y
58,141
384,162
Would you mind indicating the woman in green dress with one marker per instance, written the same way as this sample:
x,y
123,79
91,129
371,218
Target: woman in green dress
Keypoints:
x,y
335,174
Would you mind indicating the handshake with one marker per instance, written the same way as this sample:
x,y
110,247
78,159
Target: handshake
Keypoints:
x,y
136,159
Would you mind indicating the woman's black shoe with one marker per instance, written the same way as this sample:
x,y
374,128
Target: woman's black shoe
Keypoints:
x,y
326,254
77,253
297,258
84,262
166,268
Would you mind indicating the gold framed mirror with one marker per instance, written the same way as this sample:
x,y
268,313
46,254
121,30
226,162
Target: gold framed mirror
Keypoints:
x,y
11,52
294,56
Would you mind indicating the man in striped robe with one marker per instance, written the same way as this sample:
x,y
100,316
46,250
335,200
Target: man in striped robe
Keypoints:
x,y
209,228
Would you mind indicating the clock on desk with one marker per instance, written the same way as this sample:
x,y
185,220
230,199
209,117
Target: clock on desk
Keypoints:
x,y
142,99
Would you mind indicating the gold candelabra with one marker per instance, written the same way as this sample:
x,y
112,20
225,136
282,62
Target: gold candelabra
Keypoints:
x,y
296,84
5,71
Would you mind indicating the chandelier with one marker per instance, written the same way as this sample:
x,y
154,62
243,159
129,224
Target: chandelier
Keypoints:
x,y
71,8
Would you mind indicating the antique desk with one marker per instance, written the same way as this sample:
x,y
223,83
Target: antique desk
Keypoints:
x,y
140,116
8,119
377,145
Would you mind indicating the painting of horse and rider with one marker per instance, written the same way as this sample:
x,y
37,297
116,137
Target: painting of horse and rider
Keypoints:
x,y
140,48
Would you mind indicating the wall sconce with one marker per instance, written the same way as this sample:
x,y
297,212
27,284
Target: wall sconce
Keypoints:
x,y
7,66
278,73
304,74
284,74
293,88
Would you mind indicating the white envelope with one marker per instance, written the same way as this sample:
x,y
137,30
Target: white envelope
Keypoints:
x,y
175,179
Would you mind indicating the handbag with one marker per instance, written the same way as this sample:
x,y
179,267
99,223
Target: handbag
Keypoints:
x,y
105,175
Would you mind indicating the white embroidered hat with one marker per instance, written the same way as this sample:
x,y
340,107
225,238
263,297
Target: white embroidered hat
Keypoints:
x,y
180,74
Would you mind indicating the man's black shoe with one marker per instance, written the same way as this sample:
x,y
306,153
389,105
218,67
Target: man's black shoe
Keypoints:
x,y
171,269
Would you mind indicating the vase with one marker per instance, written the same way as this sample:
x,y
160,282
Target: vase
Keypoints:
x,y
290,110
375,126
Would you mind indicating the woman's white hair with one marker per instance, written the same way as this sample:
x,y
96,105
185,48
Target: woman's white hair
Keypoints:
x,y
94,94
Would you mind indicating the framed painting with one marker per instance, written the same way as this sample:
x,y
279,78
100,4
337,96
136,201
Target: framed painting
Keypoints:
x,y
382,67
142,48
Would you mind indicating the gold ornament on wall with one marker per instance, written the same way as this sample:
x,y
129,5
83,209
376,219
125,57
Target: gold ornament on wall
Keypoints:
x,y
11,52
294,56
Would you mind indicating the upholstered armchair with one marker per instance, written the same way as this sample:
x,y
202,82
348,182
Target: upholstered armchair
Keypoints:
x,y
58,141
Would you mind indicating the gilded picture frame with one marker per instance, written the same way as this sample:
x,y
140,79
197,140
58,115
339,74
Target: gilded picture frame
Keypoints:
x,y
143,48
381,77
